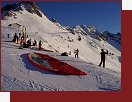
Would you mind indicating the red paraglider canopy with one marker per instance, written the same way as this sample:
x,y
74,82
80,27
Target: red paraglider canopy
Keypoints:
x,y
53,65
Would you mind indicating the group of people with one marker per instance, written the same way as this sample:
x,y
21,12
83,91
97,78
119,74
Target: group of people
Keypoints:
x,y
103,53
17,38
28,44
23,43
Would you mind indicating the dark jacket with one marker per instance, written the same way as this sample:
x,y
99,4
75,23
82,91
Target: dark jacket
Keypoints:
x,y
103,54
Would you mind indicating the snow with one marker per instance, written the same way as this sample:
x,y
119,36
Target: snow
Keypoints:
x,y
20,75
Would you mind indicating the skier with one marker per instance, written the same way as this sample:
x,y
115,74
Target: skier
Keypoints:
x,y
103,57
76,53
40,44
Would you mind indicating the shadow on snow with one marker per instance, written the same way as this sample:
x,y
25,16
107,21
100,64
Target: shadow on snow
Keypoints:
x,y
29,66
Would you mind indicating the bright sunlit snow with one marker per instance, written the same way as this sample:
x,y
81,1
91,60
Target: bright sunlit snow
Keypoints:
x,y
20,75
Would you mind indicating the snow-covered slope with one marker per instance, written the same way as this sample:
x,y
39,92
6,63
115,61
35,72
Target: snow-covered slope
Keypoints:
x,y
58,39
20,75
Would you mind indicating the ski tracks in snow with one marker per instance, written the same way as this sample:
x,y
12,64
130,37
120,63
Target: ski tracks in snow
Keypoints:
x,y
15,84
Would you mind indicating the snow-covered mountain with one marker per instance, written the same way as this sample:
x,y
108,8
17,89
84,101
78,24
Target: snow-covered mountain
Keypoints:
x,y
23,5
113,39
56,37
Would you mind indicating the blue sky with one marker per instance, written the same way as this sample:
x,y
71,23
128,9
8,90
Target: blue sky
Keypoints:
x,y
102,15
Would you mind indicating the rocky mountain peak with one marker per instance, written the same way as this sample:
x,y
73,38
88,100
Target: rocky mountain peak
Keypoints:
x,y
30,6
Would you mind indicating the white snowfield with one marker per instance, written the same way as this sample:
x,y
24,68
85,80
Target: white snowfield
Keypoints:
x,y
18,74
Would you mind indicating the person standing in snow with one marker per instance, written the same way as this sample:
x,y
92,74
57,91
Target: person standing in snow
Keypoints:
x,y
29,43
103,57
19,36
15,38
21,43
76,53
40,44
35,43
8,35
